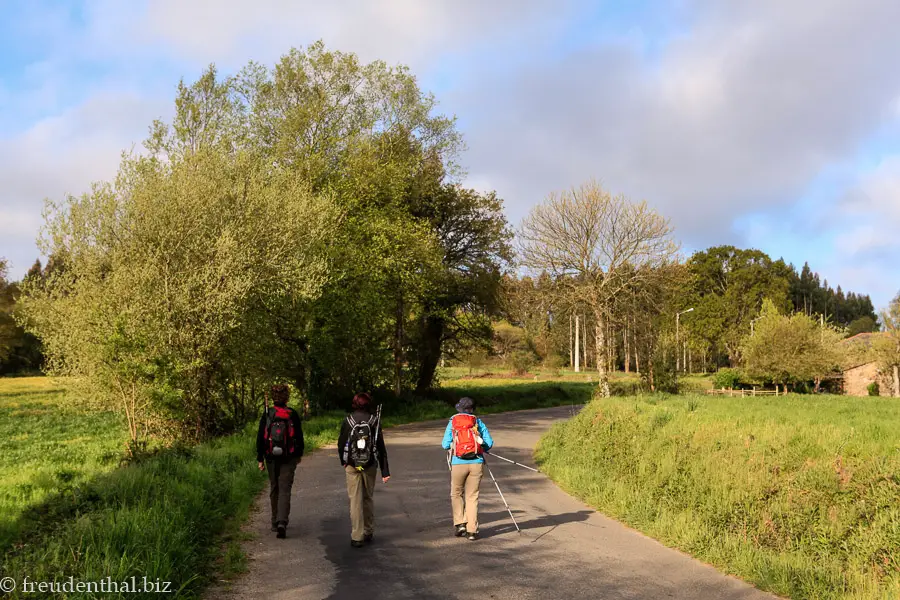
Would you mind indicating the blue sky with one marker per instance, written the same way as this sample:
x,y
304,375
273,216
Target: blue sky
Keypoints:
x,y
761,124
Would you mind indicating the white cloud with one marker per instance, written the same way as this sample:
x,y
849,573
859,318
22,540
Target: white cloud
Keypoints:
x,y
62,155
872,216
410,32
738,116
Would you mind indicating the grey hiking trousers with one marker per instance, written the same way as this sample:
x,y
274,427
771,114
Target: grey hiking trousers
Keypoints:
x,y
281,480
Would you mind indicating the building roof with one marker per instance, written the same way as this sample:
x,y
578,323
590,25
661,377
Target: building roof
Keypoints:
x,y
859,345
864,338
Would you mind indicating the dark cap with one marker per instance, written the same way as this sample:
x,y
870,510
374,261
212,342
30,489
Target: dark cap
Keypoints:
x,y
465,405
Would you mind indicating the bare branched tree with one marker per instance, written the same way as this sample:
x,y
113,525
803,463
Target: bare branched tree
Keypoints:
x,y
598,246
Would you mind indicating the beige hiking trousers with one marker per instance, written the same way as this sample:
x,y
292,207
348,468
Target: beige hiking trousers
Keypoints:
x,y
361,491
464,483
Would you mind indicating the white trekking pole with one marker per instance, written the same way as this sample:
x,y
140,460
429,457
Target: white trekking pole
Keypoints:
x,y
508,509
515,463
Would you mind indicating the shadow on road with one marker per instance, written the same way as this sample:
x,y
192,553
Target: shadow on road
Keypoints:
x,y
505,525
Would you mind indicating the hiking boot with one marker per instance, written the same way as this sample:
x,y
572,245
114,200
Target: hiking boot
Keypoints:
x,y
471,536
368,538
282,532
460,530
274,527
356,544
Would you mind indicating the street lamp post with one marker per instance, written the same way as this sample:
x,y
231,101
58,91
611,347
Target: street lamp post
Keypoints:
x,y
678,342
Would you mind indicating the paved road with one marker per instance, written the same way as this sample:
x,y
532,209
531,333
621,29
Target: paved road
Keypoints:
x,y
565,549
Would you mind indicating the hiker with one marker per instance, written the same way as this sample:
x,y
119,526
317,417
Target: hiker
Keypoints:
x,y
361,449
279,448
467,438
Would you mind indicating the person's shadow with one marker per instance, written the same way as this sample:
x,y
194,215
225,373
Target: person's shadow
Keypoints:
x,y
499,522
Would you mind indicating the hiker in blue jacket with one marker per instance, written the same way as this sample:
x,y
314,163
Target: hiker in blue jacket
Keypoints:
x,y
467,438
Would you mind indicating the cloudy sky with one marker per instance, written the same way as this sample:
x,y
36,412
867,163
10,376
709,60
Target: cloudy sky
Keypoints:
x,y
767,124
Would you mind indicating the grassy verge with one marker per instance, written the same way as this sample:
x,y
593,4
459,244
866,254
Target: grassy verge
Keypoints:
x,y
799,495
68,509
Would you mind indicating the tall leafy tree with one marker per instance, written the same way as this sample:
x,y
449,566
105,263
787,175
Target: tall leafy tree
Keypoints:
x,y
474,242
366,136
597,246
169,272
790,349
20,351
726,290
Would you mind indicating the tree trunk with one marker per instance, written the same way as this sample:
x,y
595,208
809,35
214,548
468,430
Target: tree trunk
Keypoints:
x,y
636,346
600,333
626,348
432,335
896,381
584,344
577,345
571,347
610,346
650,372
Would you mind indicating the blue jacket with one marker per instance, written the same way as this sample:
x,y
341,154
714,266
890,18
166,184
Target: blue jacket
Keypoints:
x,y
482,431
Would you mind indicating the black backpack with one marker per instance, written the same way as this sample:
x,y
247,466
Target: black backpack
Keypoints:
x,y
279,432
361,450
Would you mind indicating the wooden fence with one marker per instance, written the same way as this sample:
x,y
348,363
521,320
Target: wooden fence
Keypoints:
x,y
743,393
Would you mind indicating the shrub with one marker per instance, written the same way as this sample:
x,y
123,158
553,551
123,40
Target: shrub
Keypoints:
x,y
521,362
475,359
727,378
553,363
874,389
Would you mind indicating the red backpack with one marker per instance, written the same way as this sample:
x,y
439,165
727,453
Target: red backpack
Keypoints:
x,y
465,434
279,432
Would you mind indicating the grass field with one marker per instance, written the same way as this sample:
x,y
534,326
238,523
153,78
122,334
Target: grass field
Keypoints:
x,y
67,507
48,447
799,495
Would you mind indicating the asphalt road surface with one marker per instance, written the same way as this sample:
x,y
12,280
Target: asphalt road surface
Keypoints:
x,y
565,549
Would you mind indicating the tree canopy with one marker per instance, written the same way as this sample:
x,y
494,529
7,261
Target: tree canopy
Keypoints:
x,y
790,349
302,222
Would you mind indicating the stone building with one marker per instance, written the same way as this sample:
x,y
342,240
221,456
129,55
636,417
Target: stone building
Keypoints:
x,y
860,373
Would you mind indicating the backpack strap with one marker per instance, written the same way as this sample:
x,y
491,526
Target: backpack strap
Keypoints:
x,y
270,416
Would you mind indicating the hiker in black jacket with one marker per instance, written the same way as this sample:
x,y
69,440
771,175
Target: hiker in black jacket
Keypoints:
x,y
279,448
360,447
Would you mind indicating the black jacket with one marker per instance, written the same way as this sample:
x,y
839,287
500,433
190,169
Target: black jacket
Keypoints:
x,y
380,450
261,437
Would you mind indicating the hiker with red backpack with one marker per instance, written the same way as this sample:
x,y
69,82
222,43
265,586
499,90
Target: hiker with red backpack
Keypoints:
x,y
361,449
467,438
279,448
